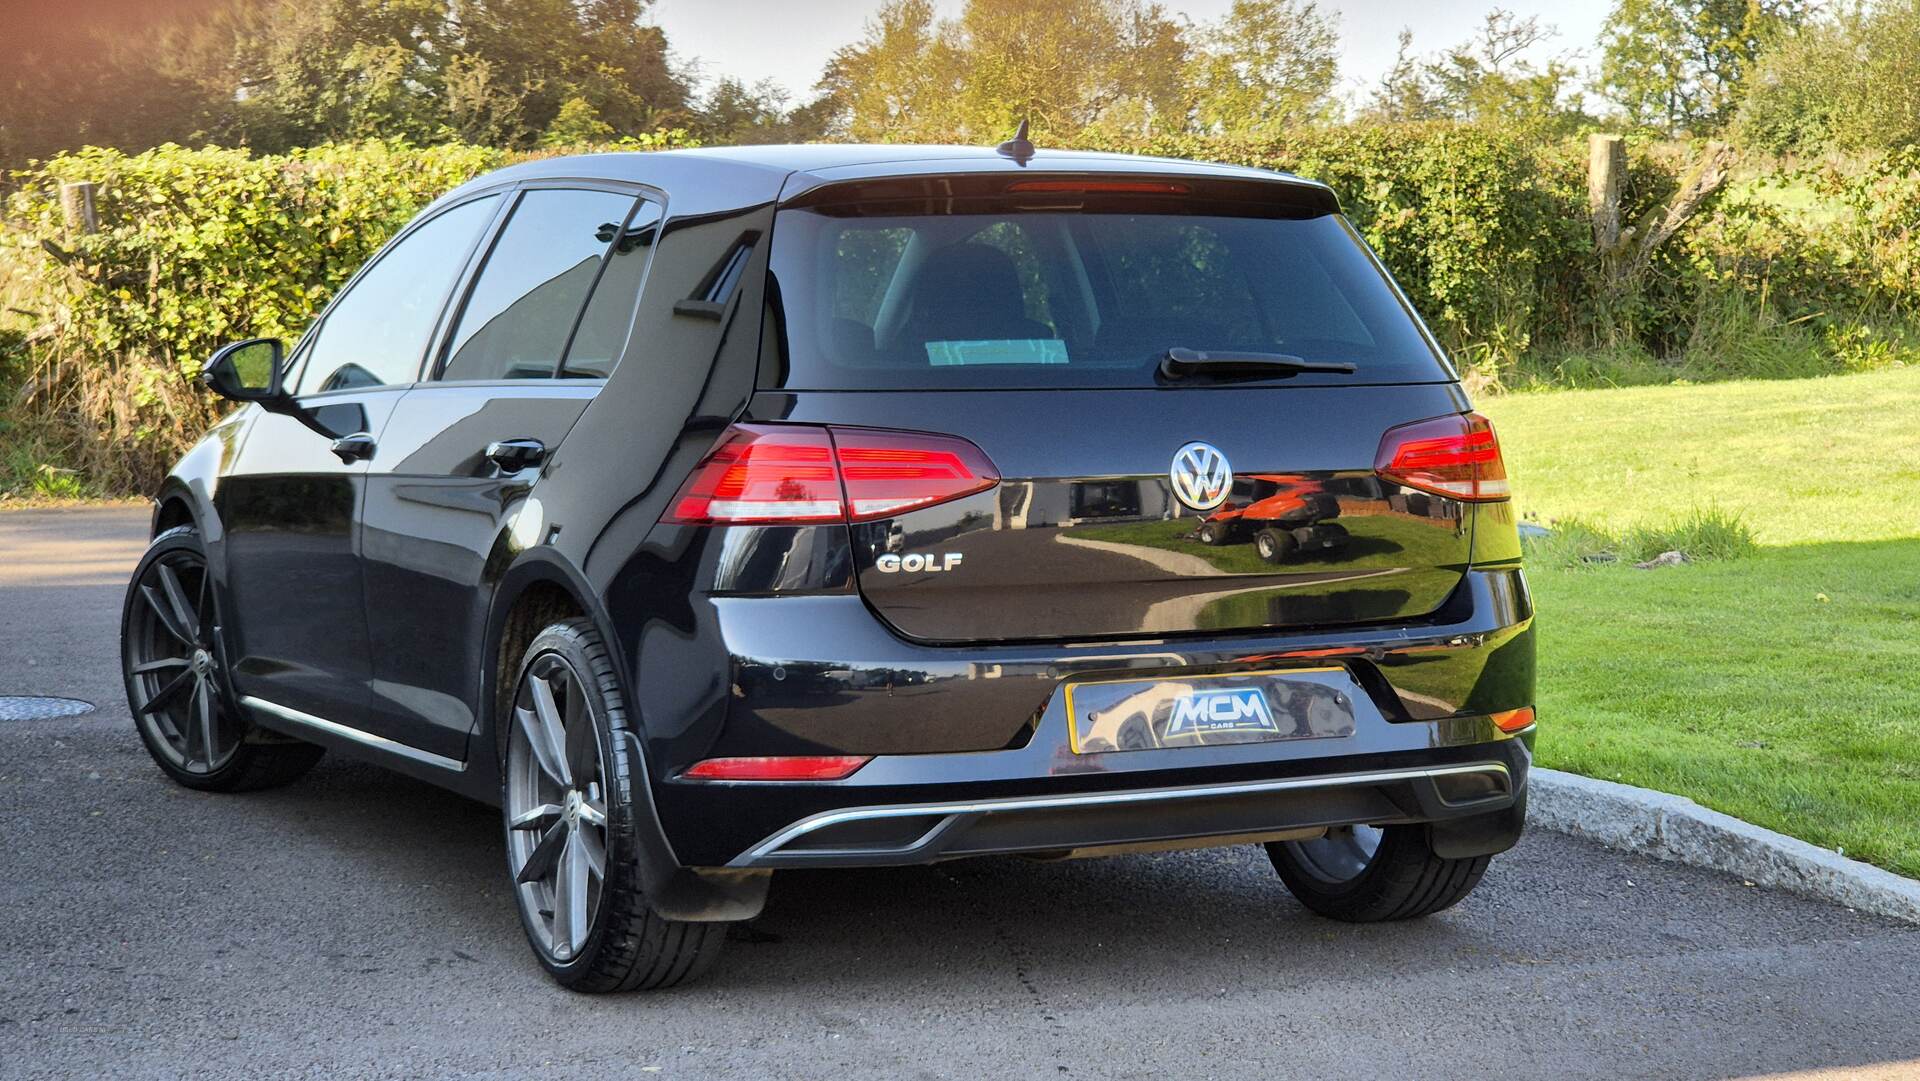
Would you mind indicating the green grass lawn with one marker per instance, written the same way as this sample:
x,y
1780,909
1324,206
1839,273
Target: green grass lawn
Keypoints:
x,y
1783,688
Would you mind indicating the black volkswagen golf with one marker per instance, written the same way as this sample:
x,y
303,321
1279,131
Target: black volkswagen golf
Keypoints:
x,y
714,512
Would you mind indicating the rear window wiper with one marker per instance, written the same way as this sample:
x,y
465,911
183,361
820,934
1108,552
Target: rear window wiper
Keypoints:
x,y
1178,362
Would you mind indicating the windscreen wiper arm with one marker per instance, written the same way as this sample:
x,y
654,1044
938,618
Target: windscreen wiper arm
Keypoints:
x,y
1178,362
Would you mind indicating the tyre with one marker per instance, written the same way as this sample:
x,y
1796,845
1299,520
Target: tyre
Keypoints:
x,y
171,659
1215,533
1364,874
1275,545
568,802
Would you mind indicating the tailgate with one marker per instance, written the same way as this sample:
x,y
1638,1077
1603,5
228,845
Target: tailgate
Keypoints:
x,y
1086,536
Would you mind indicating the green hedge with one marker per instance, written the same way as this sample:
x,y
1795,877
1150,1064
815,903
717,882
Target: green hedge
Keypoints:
x,y
1486,229
195,248
199,247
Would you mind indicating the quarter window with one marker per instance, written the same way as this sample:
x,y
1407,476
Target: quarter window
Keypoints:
x,y
535,282
376,333
604,326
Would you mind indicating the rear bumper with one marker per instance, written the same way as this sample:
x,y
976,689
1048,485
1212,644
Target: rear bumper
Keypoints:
x,y
920,833
970,744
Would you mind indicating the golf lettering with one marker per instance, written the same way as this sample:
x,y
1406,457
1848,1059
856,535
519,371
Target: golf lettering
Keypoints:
x,y
917,563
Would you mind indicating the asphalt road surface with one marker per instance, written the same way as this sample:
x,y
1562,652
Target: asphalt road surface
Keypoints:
x,y
357,925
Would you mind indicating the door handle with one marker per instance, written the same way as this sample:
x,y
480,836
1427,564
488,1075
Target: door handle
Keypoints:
x,y
513,455
353,448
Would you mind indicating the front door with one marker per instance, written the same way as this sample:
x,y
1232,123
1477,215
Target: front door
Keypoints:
x,y
290,502
543,321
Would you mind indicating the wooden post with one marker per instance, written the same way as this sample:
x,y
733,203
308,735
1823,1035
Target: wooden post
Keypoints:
x,y
76,206
1606,173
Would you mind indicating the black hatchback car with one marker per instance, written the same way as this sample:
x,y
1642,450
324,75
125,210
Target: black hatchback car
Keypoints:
x,y
715,512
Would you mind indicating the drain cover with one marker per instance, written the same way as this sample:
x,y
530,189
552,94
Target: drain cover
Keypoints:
x,y
26,707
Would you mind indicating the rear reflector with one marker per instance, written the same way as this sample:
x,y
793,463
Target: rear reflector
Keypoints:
x,y
796,474
1456,456
1513,720
785,768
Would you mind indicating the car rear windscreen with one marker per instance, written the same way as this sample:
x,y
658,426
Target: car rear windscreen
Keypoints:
x,y
1008,298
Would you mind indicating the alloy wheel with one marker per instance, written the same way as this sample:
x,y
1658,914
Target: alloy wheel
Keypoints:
x,y
173,668
556,807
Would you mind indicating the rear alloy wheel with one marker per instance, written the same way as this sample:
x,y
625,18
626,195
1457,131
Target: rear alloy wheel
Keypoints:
x,y
1275,545
170,656
1368,874
569,821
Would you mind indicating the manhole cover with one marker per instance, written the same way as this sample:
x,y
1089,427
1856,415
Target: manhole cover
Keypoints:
x,y
26,707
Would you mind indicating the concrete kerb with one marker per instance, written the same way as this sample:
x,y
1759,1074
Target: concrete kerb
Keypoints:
x,y
1675,828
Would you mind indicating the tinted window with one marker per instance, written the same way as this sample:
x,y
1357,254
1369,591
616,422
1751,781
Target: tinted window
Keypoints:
x,y
530,291
376,333
1006,298
609,316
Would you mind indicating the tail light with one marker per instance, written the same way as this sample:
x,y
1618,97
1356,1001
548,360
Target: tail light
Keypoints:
x,y
1456,456
795,474
810,767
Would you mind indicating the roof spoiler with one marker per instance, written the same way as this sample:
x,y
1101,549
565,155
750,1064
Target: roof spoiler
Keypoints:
x,y
1065,188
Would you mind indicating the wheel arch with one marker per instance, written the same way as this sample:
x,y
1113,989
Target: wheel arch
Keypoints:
x,y
173,507
541,588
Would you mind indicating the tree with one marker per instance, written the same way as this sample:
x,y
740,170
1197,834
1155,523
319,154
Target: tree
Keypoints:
x,y
577,122
898,80
1486,79
276,74
122,75
1848,82
1064,65
340,69
738,114
1267,65
539,54
1403,93
1677,65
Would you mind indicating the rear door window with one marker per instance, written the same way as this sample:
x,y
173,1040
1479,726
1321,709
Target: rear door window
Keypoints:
x,y
527,298
1078,298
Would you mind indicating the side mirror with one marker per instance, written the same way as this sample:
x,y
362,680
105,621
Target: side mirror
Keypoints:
x,y
246,371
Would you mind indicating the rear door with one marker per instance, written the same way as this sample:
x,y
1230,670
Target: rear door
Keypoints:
x,y
288,506
1131,503
545,317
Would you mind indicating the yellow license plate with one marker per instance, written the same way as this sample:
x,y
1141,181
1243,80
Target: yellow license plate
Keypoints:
x,y
1209,710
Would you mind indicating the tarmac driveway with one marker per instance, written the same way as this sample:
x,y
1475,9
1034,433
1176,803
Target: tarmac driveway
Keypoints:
x,y
356,925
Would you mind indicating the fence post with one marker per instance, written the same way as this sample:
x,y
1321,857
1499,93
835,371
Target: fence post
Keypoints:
x,y
1606,172
76,206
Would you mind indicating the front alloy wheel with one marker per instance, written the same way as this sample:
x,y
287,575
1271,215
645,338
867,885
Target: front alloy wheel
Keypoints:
x,y
170,658
171,677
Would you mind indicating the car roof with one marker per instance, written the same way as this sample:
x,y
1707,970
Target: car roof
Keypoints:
x,y
753,174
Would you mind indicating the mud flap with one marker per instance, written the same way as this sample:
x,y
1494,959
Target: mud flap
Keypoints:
x,y
703,895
